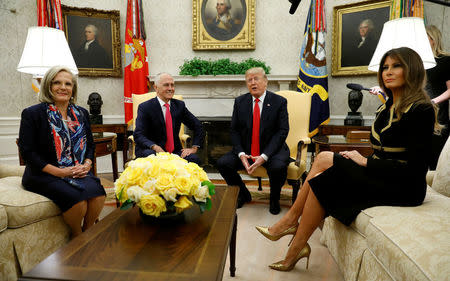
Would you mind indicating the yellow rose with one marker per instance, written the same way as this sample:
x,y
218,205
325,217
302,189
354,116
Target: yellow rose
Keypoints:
x,y
184,185
152,205
153,170
134,176
202,176
164,181
169,168
182,204
119,185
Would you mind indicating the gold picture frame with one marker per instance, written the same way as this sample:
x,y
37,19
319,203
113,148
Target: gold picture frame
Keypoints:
x,y
100,57
209,33
351,54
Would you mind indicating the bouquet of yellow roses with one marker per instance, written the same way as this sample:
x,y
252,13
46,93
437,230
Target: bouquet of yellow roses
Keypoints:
x,y
163,183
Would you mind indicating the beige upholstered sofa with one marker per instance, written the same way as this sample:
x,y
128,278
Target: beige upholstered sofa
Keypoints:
x,y
31,226
397,243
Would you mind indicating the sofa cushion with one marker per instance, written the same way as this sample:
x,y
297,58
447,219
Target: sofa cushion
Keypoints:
x,y
412,243
3,219
441,180
24,207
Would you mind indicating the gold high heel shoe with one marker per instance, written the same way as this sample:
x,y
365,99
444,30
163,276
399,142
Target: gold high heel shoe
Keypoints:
x,y
265,231
305,252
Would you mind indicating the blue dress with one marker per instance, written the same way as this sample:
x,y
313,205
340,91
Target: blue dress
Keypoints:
x,y
37,149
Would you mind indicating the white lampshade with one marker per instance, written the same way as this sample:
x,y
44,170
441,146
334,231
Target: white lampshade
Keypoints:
x,y
404,32
44,48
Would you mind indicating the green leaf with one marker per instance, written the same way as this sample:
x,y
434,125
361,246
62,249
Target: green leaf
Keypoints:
x,y
211,187
197,66
126,205
120,194
208,204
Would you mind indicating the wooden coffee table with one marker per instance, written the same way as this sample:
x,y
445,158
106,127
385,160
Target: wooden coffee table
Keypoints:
x,y
123,247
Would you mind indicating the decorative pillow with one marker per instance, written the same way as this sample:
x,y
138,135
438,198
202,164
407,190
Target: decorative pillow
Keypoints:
x,y
441,181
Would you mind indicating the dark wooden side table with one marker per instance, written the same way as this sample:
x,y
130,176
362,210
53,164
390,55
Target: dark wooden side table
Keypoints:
x,y
105,144
120,129
333,138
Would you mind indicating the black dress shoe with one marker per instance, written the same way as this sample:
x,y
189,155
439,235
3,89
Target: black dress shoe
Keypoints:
x,y
274,207
242,199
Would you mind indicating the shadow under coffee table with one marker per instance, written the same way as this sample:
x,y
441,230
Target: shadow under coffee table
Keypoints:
x,y
123,247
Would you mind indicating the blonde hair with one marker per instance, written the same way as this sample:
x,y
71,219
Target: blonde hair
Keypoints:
x,y
256,70
435,34
46,94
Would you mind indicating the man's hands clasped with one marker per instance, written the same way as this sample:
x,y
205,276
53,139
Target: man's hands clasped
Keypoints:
x,y
257,161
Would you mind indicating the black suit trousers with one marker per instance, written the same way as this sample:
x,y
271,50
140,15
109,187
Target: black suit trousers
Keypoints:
x,y
276,166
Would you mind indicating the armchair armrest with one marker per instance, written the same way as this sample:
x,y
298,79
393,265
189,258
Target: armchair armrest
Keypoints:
x,y
185,140
132,146
301,143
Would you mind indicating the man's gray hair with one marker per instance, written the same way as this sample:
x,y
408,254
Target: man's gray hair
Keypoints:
x,y
158,77
369,24
227,3
94,28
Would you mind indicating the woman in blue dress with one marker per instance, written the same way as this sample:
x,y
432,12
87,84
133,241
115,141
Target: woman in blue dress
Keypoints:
x,y
55,140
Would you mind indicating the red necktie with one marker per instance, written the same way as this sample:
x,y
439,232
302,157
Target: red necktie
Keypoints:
x,y
169,130
255,130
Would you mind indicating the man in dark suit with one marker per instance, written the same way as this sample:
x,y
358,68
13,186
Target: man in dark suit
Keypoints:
x,y
258,143
154,116
360,51
91,54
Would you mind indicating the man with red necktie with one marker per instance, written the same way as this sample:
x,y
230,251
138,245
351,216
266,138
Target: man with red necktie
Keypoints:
x,y
158,123
259,128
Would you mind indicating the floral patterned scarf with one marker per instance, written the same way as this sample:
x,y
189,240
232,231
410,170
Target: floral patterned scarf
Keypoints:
x,y
69,136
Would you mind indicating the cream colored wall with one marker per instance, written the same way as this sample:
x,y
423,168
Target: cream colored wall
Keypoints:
x,y
169,27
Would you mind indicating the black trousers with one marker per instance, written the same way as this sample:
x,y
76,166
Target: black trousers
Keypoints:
x,y
276,166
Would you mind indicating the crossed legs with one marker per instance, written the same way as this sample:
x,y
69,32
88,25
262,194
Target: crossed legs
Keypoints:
x,y
307,206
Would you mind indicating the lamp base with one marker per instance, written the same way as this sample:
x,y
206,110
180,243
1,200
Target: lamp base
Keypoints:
x,y
354,119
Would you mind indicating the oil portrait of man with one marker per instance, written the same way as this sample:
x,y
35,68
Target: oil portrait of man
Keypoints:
x,y
90,41
223,19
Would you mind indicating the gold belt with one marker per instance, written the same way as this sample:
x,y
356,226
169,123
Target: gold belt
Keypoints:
x,y
389,149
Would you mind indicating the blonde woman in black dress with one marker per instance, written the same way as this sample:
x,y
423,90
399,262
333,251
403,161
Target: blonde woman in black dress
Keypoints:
x,y
342,184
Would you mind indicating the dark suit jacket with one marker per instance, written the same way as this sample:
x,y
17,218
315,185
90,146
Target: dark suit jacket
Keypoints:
x,y
151,127
94,57
274,126
36,142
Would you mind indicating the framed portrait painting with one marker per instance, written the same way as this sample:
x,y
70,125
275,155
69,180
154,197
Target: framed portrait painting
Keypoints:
x,y
223,24
356,30
94,39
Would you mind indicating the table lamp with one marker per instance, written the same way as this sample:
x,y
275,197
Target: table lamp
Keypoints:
x,y
44,48
404,32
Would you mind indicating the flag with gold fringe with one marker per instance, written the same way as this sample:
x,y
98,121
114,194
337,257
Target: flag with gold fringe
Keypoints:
x,y
136,61
406,8
313,75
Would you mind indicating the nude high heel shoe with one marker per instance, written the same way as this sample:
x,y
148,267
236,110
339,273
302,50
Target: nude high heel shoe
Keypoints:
x,y
305,252
265,231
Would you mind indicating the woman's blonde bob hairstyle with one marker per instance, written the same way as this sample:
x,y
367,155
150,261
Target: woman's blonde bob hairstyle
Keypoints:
x,y
46,94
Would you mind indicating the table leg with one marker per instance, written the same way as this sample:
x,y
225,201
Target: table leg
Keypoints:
x,y
114,165
233,248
